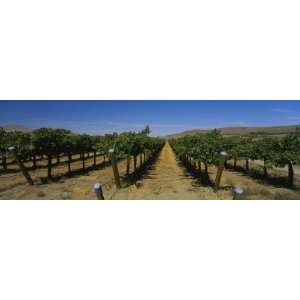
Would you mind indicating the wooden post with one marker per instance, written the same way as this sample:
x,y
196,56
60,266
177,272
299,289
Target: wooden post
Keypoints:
x,y
49,166
237,193
4,164
98,191
206,171
141,159
21,165
234,163
128,165
83,161
115,167
94,158
199,166
222,158
291,175
34,161
134,162
247,165
265,169
69,163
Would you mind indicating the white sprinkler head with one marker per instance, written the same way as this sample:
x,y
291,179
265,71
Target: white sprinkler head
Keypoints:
x,y
12,148
111,150
97,186
223,153
238,190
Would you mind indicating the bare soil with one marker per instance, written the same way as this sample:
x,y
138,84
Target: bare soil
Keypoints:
x,y
168,179
79,186
254,188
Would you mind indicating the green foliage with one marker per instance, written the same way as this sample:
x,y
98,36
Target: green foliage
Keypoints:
x,y
265,149
205,147
273,151
3,140
131,143
22,143
288,150
20,140
49,141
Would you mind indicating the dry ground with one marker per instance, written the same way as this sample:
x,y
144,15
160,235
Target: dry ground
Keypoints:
x,y
168,179
254,188
79,186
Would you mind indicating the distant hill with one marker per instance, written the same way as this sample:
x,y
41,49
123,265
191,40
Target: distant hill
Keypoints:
x,y
243,131
15,127
226,131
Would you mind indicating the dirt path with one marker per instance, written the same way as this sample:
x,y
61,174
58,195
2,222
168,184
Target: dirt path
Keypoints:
x,y
168,180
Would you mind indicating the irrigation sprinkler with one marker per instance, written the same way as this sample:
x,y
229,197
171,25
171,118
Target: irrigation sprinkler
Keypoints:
x,y
114,167
237,193
222,159
21,165
98,190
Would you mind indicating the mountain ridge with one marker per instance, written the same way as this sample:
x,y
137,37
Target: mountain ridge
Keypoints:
x,y
226,131
243,130
15,127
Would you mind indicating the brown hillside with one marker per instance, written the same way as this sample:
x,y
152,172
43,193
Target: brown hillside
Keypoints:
x,y
232,131
16,127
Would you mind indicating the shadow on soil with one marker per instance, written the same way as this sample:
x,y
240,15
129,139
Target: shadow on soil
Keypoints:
x,y
74,173
141,172
200,178
9,171
279,181
44,165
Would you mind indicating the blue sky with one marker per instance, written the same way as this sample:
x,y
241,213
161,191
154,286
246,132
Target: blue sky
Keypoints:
x,y
163,117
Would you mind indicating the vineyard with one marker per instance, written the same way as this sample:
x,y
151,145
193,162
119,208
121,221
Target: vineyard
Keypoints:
x,y
205,149
49,144
58,164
